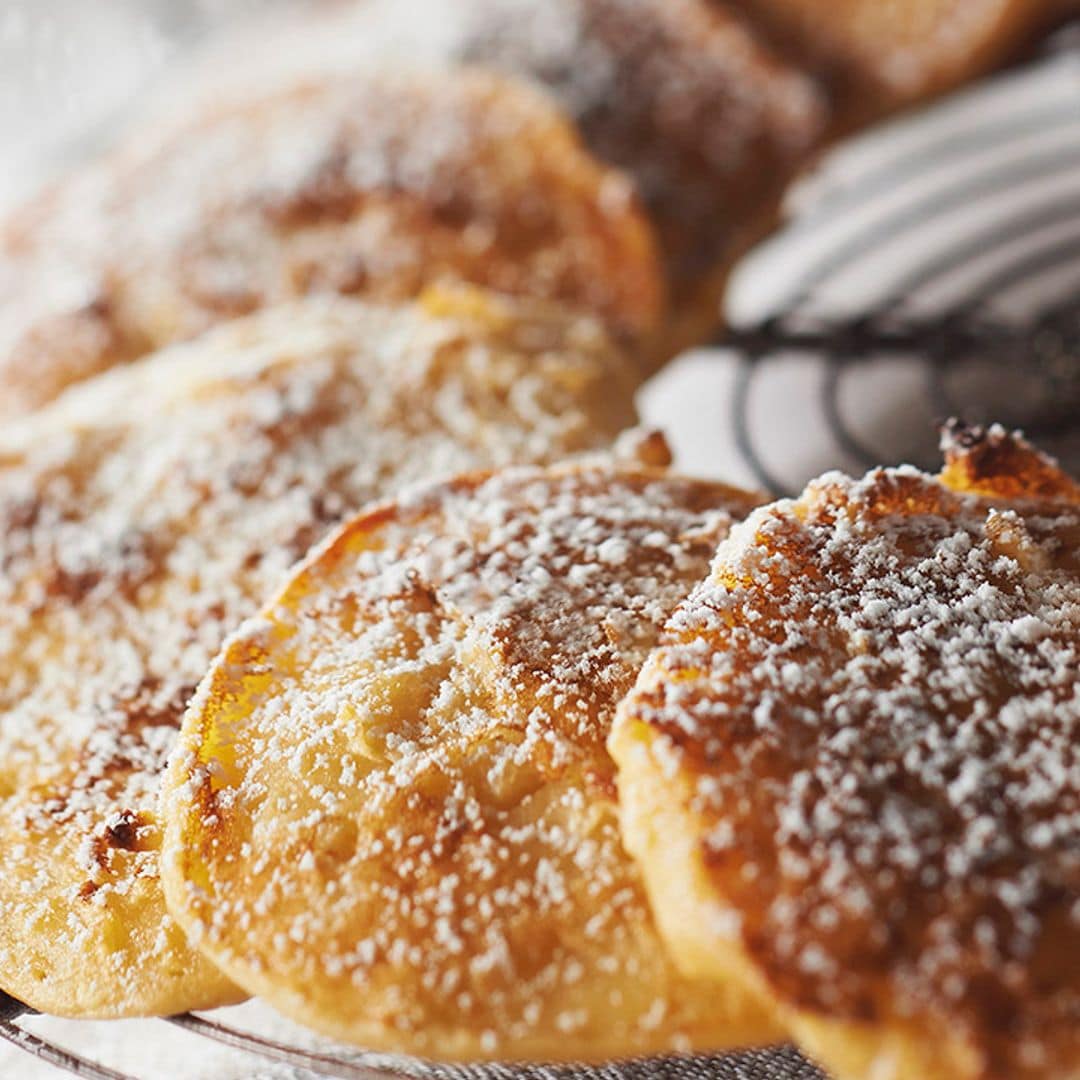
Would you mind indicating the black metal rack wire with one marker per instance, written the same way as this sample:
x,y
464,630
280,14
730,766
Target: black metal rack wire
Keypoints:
x,y
978,358
1047,350
780,1063
992,353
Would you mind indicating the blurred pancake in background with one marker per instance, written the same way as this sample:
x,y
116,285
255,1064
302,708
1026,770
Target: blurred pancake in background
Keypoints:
x,y
370,186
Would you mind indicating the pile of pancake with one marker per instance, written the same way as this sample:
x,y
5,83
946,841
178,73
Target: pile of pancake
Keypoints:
x,y
357,651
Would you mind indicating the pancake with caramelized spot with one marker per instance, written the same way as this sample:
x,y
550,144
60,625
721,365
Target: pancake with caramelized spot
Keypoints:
x,y
850,772
391,812
146,513
371,186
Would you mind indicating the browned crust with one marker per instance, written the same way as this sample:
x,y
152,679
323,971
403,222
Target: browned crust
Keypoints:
x,y
830,752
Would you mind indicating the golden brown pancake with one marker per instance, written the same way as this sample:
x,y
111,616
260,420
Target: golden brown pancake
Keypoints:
x,y
370,185
704,116
391,813
880,55
144,514
708,119
850,772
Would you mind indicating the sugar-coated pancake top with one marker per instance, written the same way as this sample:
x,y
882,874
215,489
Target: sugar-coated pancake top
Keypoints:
x,y
370,185
144,514
391,812
875,700
705,117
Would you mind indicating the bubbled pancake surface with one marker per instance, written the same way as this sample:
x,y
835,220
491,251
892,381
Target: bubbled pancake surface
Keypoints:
x,y
371,185
391,812
144,514
850,772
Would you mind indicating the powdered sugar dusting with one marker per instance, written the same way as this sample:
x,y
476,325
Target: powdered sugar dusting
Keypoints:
x,y
413,795
146,513
877,695
371,185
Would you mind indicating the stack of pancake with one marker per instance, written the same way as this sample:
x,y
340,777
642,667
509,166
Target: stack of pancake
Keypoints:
x,y
498,739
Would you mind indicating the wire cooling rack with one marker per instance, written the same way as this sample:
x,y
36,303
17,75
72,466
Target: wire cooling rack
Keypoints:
x,y
780,1063
946,244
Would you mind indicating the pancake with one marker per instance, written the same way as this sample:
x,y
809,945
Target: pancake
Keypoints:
x,y
146,513
391,814
878,56
705,117
850,771
372,186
